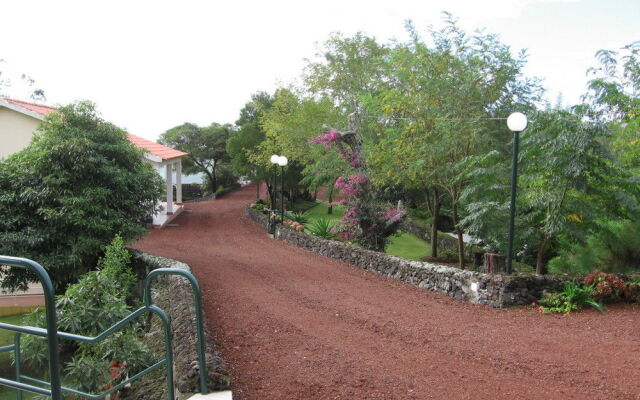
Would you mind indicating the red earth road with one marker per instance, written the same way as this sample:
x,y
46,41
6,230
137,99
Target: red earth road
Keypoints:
x,y
292,324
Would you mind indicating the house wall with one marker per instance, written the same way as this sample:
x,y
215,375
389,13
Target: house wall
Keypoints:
x,y
16,130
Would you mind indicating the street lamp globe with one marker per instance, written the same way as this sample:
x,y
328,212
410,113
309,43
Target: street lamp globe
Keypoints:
x,y
274,159
282,161
517,122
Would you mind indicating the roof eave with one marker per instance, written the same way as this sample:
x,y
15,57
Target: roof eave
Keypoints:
x,y
21,110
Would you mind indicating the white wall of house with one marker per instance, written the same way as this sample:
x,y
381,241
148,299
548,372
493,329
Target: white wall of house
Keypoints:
x,y
16,130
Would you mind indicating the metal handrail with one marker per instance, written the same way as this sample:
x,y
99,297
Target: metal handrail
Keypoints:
x,y
52,334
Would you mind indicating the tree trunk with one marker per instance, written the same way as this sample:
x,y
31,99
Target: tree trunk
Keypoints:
x,y
460,237
258,190
434,230
270,192
434,206
330,204
540,267
212,180
214,183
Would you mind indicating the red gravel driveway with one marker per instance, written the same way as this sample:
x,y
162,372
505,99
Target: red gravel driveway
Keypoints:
x,y
295,325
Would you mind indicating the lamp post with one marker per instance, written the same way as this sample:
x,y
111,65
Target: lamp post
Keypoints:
x,y
517,122
282,162
274,160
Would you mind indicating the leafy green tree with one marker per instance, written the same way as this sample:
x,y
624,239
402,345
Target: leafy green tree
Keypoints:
x,y
64,197
439,105
244,141
614,92
347,69
567,185
206,147
289,124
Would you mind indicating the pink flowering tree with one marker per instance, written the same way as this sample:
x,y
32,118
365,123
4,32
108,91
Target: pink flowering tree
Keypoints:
x,y
364,220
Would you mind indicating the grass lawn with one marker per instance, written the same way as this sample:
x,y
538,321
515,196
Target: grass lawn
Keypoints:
x,y
406,245
320,211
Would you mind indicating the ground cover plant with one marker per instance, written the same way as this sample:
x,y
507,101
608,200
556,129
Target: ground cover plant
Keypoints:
x,y
595,290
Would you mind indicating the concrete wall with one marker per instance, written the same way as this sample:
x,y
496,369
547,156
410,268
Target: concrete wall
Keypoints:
x,y
16,130
475,287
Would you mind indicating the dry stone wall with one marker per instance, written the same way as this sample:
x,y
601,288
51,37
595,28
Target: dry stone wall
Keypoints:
x,y
475,287
173,294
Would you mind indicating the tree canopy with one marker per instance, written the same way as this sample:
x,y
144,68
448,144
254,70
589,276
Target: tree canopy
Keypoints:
x,y
206,147
66,196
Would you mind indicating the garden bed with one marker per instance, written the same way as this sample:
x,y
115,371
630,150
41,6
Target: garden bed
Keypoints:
x,y
471,286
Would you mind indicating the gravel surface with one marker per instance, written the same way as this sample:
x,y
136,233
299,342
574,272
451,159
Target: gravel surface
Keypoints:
x,y
292,324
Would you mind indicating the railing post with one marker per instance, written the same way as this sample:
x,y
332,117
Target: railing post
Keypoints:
x,y
17,359
197,296
50,313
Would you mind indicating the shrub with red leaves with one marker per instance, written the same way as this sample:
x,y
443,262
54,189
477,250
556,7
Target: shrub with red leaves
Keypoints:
x,y
607,286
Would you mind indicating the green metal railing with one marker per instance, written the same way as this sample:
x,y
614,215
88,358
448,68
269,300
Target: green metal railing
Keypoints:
x,y
54,387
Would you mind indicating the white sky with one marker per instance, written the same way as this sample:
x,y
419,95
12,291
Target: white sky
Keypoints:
x,y
151,65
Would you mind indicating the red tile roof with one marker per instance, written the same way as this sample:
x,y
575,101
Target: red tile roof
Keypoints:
x,y
37,108
156,149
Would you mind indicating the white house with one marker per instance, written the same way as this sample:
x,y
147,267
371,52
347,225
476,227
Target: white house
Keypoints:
x,y
20,119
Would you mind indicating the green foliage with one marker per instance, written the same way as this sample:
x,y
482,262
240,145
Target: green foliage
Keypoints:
x,y
615,247
89,307
206,148
321,227
572,298
66,195
244,141
567,183
299,217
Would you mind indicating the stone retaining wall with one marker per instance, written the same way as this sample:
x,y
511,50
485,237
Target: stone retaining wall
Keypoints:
x,y
173,294
475,287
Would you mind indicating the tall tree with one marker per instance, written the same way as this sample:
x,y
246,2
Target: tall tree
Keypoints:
x,y
70,192
614,92
244,141
206,147
290,123
440,100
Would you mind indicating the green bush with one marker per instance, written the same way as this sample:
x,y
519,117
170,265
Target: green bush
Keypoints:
x,y
89,307
66,195
321,227
572,298
614,249
299,217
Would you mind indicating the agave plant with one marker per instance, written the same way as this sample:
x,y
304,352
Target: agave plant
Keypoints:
x,y
299,217
321,228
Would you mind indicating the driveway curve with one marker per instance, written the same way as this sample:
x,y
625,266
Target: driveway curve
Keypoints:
x,y
292,324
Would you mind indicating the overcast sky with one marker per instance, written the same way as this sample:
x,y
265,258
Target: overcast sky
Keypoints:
x,y
151,65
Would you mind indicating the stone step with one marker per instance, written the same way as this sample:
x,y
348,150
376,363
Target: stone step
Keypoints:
x,y
226,395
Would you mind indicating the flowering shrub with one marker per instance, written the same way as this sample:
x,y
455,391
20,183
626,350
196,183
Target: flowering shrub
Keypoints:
x,y
327,139
351,185
363,220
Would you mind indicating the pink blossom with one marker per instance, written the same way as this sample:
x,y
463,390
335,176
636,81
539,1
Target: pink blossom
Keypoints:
x,y
327,139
